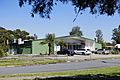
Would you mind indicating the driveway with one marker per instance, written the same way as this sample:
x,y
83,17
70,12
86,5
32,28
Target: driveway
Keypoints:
x,y
61,66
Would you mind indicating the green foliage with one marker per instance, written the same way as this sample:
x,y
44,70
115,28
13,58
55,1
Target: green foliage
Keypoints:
x,y
20,34
103,44
115,52
5,35
44,42
100,7
2,53
99,36
61,43
8,36
116,35
109,44
76,31
50,39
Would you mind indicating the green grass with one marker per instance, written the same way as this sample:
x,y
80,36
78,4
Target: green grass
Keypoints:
x,y
26,62
109,72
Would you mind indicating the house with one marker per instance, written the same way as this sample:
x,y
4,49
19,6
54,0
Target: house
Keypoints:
x,y
76,42
117,45
34,46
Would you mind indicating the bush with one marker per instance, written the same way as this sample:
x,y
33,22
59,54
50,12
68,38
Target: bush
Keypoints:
x,y
115,52
2,53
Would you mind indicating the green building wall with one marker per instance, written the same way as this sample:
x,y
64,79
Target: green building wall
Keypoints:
x,y
25,48
98,46
38,48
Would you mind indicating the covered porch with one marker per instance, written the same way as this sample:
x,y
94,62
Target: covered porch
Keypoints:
x,y
71,44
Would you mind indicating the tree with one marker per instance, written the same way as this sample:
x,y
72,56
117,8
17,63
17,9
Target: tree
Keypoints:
x,y
76,31
99,36
35,36
61,43
20,34
1,28
50,39
101,7
5,35
116,35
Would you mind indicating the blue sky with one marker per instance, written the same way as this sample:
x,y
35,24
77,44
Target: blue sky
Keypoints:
x,y
61,22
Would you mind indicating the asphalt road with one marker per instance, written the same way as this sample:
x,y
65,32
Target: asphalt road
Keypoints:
x,y
61,66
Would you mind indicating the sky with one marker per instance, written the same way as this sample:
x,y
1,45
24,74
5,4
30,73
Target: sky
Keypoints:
x,y
61,23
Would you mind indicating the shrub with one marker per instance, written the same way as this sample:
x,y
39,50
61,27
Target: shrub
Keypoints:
x,y
2,53
115,52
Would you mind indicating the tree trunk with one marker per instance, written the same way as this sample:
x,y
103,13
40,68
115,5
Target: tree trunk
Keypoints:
x,y
49,50
49,45
60,48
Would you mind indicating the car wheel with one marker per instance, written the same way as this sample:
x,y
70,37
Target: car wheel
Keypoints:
x,y
103,53
72,54
83,53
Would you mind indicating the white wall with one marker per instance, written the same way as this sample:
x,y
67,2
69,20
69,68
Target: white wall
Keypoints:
x,y
90,45
117,45
56,48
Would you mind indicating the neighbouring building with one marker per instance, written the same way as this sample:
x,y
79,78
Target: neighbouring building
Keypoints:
x,y
30,47
34,46
117,45
98,46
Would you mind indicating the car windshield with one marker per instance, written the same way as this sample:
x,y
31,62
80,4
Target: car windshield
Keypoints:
x,y
107,49
100,50
81,49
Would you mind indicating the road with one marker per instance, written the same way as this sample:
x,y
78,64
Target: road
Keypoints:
x,y
61,66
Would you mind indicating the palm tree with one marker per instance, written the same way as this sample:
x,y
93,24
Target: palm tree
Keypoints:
x,y
50,38
62,44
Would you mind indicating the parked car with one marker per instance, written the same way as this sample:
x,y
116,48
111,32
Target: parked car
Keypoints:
x,y
103,51
66,52
83,52
94,51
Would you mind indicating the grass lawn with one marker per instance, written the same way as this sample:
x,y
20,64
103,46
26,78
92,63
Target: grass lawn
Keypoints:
x,y
26,62
110,73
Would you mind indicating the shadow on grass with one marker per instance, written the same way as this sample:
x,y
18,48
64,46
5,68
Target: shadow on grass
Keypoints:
x,y
113,76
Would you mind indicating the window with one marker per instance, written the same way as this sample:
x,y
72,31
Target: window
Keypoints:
x,y
70,47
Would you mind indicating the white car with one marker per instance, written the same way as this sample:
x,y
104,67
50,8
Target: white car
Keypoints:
x,y
83,52
103,51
